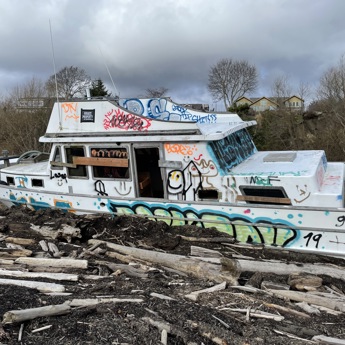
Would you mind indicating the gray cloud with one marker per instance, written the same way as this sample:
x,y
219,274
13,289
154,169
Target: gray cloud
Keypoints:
x,y
153,43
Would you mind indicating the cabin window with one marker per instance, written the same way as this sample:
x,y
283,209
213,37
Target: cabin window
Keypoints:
x,y
232,150
10,180
115,160
57,159
264,195
208,194
36,182
79,170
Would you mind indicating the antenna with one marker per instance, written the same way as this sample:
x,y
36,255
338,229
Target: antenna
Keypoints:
x,y
56,86
116,92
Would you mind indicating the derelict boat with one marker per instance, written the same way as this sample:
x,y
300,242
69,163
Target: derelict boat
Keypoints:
x,y
157,159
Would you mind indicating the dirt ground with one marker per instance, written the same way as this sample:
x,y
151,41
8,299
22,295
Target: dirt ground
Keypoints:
x,y
208,320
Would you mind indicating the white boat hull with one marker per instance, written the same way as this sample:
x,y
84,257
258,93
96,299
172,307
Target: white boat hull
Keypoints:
x,y
310,229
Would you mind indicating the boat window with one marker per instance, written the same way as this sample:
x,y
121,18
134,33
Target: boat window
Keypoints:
x,y
57,158
110,162
233,150
10,180
264,195
79,170
36,182
208,194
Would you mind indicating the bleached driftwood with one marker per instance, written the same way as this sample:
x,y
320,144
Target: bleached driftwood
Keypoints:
x,y
21,241
308,308
322,339
66,232
40,286
41,329
195,294
46,262
311,299
44,245
6,262
284,269
161,296
94,301
197,268
127,269
17,316
200,251
52,276
287,310
12,252
257,313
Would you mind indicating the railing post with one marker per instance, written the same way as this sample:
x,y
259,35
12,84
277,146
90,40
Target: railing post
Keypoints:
x,y
5,158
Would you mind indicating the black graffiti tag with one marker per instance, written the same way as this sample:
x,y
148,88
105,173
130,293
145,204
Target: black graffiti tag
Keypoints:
x,y
100,188
61,177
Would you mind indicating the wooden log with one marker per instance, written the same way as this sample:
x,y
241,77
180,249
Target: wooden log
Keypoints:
x,y
11,252
52,276
17,316
94,301
284,269
195,294
41,329
44,245
256,313
161,296
66,231
46,262
6,262
197,268
21,241
40,286
309,298
322,339
200,251
286,310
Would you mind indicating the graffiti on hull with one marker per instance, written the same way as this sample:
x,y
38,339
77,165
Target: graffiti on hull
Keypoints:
x,y
271,232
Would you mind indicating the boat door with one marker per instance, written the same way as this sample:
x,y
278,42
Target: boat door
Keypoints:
x,y
149,178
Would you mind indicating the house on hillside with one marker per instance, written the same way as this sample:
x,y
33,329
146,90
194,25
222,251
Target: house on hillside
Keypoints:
x,y
293,103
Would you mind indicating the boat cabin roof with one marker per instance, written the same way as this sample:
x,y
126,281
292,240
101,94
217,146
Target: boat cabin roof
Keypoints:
x,y
104,121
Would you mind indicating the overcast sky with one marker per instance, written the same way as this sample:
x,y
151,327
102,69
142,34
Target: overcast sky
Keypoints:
x,y
169,43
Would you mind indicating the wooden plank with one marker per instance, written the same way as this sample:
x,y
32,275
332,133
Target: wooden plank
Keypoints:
x,y
61,164
105,162
266,199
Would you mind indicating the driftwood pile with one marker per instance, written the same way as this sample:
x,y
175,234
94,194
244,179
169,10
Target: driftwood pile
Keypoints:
x,y
285,302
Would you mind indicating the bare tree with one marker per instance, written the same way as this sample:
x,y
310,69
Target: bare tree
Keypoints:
x,y
229,80
24,117
71,82
281,88
156,92
332,86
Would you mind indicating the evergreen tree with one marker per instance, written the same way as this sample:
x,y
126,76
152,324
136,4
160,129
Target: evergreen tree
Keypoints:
x,y
98,89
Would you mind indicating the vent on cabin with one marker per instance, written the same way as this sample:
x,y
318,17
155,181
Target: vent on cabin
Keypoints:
x,y
280,157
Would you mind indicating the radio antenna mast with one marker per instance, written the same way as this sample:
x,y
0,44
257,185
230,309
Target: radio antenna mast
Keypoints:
x,y
56,86
106,66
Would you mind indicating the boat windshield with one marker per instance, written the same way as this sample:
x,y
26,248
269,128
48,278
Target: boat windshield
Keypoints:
x,y
233,149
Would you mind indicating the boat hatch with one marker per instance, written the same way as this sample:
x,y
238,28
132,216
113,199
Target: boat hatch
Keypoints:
x,y
280,157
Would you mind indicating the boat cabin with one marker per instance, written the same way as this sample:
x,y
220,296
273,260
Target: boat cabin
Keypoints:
x,y
100,149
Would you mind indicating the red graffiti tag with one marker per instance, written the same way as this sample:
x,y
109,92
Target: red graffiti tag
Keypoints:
x,y
117,118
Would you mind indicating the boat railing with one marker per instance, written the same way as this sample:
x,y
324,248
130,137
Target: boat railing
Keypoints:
x,y
6,159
